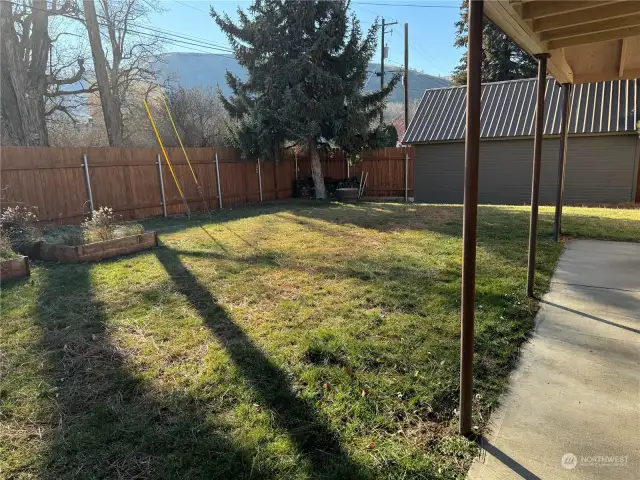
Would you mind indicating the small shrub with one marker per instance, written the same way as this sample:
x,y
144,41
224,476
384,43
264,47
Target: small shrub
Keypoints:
x,y
103,225
6,251
100,226
19,225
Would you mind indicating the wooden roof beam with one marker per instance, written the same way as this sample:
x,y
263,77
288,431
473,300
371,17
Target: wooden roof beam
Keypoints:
x,y
547,8
594,37
582,17
623,55
594,27
558,61
629,74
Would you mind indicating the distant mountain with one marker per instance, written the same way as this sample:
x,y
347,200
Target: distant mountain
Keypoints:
x,y
196,70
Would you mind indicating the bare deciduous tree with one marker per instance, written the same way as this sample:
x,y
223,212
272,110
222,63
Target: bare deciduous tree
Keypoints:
x,y
28,92
108,98
199,116
126,56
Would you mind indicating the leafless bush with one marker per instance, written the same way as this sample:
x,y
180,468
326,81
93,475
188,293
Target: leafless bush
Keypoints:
x,y
6,250
19,225
199,116
104,225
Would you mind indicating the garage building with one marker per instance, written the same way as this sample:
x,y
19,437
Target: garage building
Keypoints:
x,y
603,149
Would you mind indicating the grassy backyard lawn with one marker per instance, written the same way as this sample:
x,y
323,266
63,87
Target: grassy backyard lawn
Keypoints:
x,y
294,340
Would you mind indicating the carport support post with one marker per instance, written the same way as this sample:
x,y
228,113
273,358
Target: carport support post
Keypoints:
x,y
564,130
470,217
537,160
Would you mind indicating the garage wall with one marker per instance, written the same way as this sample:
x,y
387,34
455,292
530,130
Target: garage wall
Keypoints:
x,y
599,170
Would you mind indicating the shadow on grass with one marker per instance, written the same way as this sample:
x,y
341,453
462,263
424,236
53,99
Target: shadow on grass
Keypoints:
x,y
311,434
394,286
107,423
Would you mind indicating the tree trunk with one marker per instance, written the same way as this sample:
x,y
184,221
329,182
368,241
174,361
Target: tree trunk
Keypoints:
x,y
22,102
110,104
316,170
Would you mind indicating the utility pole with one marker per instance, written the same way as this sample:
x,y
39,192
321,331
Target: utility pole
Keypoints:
x,y
406,77
382,57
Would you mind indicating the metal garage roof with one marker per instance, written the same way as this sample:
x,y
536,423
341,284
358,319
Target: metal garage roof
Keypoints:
x,y
508,110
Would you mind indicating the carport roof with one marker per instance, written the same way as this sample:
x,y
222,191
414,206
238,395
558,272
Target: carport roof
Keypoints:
x,y
508,110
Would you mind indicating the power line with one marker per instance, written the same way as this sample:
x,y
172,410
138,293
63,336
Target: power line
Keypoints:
x,y
183,36
170,39
173,38
191,6
403,5
417,49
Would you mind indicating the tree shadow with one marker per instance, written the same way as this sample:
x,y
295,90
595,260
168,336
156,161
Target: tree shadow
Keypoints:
x,y
305,425
105,420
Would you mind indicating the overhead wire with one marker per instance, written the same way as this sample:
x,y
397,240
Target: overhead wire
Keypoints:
x,y
191,6
168,36
181,37
403,5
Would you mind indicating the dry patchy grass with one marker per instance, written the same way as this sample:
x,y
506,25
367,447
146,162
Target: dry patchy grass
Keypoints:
x,y
294,340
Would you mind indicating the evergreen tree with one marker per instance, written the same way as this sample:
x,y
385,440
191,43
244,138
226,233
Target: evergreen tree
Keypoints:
x,y
502,58
307,65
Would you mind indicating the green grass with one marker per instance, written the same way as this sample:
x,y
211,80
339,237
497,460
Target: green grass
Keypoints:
x,y
295,340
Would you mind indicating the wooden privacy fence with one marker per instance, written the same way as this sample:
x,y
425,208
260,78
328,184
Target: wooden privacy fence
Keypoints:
x,y
133,183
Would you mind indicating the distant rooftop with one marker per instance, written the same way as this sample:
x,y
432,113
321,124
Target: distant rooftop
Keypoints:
x,y
508,110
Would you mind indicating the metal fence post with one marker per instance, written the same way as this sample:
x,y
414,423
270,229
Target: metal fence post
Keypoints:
x,y
218,181
164,200
348,168
260,179
406,176
86,176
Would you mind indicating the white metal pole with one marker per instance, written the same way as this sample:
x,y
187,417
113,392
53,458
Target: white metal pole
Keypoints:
x,y
260,179
348,169
218,179
86,176
296,158
164,200
406,176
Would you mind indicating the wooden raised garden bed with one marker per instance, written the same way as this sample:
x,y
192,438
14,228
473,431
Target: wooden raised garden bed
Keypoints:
x,y
93,252
347,195
14,268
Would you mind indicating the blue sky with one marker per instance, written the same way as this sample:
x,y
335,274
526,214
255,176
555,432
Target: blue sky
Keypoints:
x,y
431,30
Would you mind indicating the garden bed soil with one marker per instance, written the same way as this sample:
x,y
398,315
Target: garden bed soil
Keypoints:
x,y
14,268
94,252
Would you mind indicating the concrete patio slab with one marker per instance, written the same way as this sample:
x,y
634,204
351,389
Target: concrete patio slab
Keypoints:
x,y
572,410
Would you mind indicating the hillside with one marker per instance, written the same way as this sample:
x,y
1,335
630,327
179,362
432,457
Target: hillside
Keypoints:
x,y
191,70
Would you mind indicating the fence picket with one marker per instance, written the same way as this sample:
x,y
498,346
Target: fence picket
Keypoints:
x,y
128,179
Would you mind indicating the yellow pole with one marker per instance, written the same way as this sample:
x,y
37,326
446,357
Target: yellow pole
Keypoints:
x,y
178,135
164,152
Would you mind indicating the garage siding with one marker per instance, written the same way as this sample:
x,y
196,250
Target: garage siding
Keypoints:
x,y
599,170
